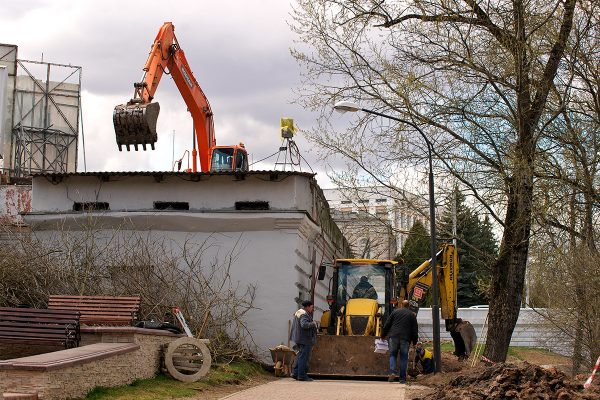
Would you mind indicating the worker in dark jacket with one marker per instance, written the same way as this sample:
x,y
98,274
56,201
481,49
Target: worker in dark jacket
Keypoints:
x,y
402,329
364,290
304,334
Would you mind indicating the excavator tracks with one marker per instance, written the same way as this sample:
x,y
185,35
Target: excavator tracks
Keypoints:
x,y
136,125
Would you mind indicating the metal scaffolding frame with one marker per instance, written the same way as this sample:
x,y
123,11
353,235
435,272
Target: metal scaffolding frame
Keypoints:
x,y
46,120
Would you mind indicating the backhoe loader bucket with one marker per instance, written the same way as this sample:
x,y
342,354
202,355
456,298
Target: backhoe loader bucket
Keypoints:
x,y
136,124
464,337
347,356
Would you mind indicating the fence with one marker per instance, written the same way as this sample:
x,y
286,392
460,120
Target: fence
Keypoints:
x,y
531,329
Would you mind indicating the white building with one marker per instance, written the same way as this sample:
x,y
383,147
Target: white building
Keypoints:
x,y
396,210
279,222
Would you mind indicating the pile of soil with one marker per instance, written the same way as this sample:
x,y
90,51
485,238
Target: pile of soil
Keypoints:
x,y
510,381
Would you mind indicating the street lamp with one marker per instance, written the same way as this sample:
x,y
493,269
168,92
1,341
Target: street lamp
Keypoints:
x,y
347,106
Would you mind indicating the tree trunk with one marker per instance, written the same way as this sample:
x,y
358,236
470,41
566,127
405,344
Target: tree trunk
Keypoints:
x,y
508,273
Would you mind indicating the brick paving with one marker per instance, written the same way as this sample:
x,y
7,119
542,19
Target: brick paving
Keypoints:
x,y
289,389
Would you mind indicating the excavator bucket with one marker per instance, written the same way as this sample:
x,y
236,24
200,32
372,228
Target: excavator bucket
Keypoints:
x,y
347,356
135,124
464,337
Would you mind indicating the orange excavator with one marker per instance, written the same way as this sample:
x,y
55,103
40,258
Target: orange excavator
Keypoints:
x,y
135,121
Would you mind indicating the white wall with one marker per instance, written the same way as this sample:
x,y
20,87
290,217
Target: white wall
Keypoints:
x,y
277,249
138,192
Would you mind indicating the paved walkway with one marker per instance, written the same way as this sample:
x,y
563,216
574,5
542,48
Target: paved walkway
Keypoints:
x,y
289,389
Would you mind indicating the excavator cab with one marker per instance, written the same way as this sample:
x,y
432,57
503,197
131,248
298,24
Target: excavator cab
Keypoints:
x,y
228,158
362,290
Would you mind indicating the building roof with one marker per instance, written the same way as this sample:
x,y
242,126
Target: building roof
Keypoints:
x,y
172,173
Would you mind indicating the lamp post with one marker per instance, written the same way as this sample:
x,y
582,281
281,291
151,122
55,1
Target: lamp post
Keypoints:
x,y
346,106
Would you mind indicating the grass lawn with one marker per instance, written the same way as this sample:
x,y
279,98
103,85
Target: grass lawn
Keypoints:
x,y
163,387
531,354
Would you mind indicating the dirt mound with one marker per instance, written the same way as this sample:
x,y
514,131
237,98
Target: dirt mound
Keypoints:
x,y
510,381
451,367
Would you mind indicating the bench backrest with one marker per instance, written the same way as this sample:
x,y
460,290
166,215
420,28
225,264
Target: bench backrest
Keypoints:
x,y
99,310
39,326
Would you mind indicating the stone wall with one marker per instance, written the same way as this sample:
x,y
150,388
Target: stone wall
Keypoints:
x,y
76,380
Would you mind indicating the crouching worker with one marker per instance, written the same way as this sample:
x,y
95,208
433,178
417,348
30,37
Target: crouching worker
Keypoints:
x,y
425,357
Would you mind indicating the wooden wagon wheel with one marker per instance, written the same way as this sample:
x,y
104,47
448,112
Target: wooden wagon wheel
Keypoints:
x,y
187,359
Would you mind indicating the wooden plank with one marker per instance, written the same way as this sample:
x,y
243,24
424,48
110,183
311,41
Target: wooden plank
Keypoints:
x,y
181,368
99,309
187,358
82,302
39,328
57,314
34,311
108,312
18,340
25,335
55,296
103,309
40,320
182,352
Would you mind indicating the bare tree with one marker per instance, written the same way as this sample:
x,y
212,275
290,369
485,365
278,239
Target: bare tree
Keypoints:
x,y
165,273
475,76
568,175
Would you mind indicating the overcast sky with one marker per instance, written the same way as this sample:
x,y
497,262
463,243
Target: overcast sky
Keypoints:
x,y
237,49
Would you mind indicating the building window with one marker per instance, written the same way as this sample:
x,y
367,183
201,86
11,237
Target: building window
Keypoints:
x,y
381,210
251,205
346,202
381,200
171,205
363,201
91,206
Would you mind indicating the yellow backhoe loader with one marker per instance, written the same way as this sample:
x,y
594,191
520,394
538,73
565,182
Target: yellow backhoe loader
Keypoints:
x,y
362,294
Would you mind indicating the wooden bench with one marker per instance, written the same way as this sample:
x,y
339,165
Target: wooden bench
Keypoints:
x,y
99,310
36,326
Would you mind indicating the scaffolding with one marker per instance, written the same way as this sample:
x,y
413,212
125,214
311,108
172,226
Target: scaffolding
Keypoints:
x,y
46,110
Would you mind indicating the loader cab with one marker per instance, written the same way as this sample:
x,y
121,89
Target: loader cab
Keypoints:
x,y
229,158
364,279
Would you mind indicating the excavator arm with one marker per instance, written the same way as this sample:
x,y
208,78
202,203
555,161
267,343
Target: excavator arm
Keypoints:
x,y
135,121
419,281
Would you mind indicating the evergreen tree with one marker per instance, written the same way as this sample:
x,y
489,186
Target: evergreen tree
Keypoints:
x,y
416,249
477,248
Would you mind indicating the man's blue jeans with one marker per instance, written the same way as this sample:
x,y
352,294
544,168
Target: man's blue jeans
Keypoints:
x,y
399,346
301,366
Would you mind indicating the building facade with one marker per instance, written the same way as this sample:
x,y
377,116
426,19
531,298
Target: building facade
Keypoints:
x,y
376,220
277,223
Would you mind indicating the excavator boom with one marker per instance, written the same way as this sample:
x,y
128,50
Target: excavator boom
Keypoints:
x,y
135,121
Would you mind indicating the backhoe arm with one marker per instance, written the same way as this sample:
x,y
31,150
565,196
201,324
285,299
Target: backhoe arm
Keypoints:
x,y
420,280
416,287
